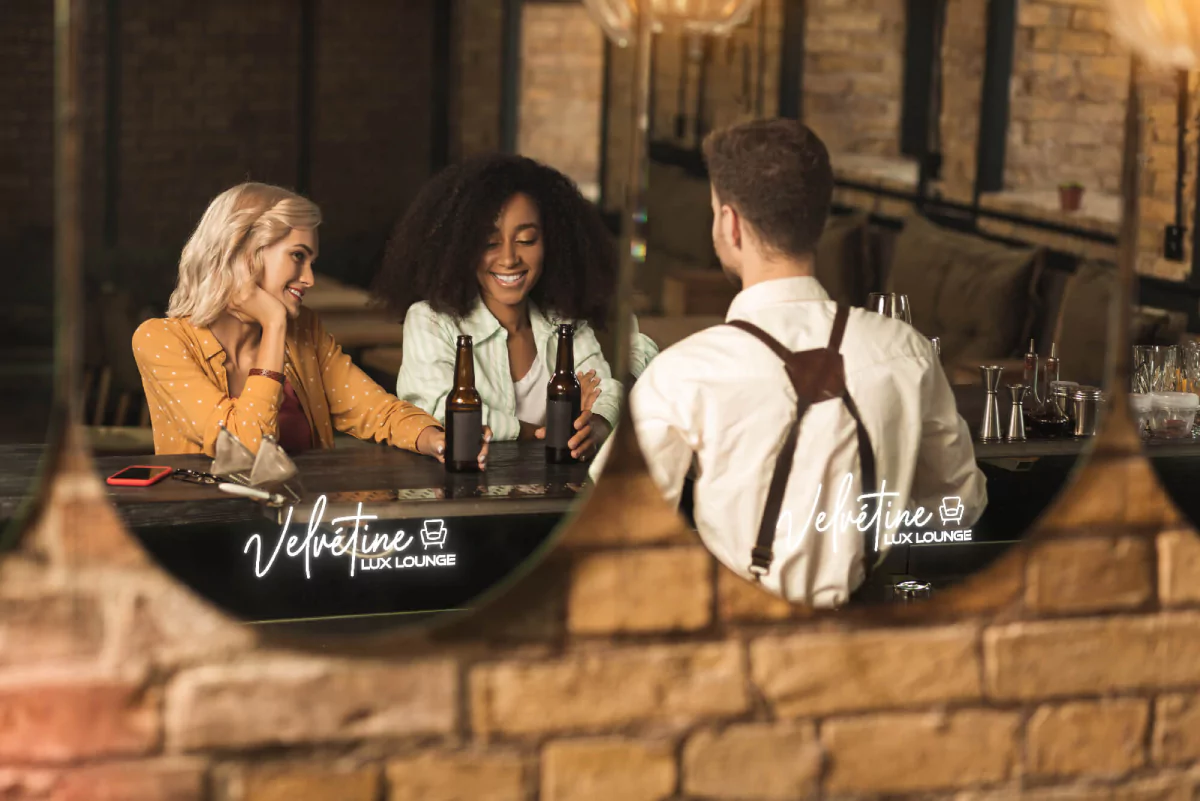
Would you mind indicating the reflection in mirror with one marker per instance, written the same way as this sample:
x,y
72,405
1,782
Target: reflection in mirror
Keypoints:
x,y
26,238
969,280
375,373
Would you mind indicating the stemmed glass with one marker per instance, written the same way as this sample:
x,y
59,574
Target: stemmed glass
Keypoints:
x,y
890,304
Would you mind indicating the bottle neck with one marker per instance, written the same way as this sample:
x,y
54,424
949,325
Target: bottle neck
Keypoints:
x,y
566,354
464,368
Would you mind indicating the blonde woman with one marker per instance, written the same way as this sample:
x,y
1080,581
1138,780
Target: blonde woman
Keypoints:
x,y
237,347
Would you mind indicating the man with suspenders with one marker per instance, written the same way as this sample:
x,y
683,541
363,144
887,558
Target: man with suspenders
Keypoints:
x,y
809,427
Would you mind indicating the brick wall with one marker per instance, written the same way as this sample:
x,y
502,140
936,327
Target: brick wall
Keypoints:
x,y
208,97
562,76
628,666
27,117
854,74
479,37
1068,92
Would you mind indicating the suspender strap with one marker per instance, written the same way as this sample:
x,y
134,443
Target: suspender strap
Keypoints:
x,y
816,375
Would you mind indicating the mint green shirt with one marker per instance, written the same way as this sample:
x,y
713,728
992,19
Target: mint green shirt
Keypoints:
x,y
430,345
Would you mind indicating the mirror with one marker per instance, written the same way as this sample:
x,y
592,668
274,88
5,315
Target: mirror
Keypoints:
x,y
29,417
324,302
1165,326
978,220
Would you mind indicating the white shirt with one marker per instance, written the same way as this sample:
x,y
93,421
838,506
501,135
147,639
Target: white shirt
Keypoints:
x,y
721,400
531,394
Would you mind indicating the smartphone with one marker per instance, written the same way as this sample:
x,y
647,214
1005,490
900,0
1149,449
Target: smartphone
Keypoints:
x,y
139,476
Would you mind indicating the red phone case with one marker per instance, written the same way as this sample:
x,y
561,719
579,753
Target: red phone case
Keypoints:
x,y
139,482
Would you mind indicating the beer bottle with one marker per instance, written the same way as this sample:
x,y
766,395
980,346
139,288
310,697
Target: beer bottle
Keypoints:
x,y
563,399
464,414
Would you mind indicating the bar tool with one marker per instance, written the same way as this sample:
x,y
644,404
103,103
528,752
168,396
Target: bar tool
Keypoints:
x,y
989,429
1016,414
1087,404
908,591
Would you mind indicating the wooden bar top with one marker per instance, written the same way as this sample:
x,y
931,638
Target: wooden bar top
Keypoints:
x,y
386,480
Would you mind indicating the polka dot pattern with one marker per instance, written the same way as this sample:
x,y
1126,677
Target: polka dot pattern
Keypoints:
x,y
187,369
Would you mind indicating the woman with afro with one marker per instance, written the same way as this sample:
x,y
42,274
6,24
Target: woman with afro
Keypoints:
x,y
503,249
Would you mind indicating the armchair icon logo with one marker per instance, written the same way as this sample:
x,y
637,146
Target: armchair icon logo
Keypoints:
x,y
952,510
433,532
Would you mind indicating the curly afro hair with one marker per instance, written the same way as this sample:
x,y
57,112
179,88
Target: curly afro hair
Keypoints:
x,y
437,246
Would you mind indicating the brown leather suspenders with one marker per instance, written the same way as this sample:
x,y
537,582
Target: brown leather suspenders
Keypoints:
x,y
818,376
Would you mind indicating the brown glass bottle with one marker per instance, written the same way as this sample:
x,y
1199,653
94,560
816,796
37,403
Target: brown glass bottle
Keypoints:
x,y
464,414
563,399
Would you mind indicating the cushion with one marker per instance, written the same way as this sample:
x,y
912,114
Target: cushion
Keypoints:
x,y
842,266
977,295
1082,328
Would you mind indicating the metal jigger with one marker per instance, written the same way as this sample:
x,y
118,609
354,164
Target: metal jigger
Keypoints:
x,y
1016,415
989,429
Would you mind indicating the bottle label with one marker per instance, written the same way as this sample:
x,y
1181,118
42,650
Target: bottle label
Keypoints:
x,y
560,422
465,435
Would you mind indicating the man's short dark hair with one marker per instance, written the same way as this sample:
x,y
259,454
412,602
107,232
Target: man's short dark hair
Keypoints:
x,y
776,173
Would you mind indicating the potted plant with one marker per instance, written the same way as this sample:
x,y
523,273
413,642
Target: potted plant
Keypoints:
x,y
1070,196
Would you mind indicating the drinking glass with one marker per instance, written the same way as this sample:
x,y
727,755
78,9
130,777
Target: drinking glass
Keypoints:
x,y
1190,369
890,304
1155,368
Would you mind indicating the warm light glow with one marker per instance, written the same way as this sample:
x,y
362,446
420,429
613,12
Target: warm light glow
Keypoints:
x,y
618,17
1164,33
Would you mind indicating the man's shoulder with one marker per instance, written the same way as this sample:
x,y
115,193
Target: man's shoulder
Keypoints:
x,y
880,338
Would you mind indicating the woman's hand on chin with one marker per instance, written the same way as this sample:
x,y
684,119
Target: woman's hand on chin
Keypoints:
x,y
259,306
432,442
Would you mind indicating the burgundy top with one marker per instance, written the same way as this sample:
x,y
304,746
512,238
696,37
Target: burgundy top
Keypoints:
x,y
295,435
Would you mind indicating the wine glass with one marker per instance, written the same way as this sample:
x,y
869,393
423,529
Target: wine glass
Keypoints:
x,y
890,304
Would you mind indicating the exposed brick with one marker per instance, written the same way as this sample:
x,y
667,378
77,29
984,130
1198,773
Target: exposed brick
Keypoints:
x,y
63,722
309,700
589,690
1179,567
753,761
456,777
1087,575
660,589
44,628
815,674
600,769
907,752
1176,729
1084,42
20,784
1048,659
1086,737
738,599
310,781
144,622
156,780
627,507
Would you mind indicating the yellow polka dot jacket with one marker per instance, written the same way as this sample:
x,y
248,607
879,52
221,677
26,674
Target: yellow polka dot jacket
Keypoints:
x,y
187,391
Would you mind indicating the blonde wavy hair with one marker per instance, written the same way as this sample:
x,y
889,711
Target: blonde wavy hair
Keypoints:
x,y
222,260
